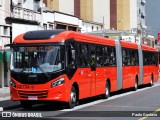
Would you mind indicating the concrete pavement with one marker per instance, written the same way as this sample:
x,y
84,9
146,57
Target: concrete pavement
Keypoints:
x,y
4,93
5,102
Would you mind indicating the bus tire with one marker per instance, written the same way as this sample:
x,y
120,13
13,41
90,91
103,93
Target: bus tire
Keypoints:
x,y
106,95
151,82
26,104
135,85
73,99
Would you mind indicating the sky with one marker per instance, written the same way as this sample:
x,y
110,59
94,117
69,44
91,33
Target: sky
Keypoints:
x,y
153,17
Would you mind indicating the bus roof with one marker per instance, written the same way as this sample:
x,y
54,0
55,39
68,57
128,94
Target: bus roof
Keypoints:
x,y
148,48
129,45
51,36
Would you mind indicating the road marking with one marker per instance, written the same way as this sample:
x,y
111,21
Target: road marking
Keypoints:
x,y
122,106
1,109
156,111
110,98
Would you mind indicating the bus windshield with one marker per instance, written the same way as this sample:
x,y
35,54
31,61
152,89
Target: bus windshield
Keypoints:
x,y
37,59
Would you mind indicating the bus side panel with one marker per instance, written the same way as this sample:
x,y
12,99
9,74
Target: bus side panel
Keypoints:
x,y
111,73
147,74
83,77
129,76
154,70
102,75
100,80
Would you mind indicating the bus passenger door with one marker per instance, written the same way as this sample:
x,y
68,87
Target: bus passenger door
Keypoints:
x,y
84,74
93,81
92,60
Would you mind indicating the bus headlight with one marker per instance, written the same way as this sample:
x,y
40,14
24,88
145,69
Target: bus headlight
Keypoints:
x,y
12,83
57,82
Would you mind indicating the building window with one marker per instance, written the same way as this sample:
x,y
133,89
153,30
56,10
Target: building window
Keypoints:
x,y
0,3
45,26
5,30
50,27
92,28
61,26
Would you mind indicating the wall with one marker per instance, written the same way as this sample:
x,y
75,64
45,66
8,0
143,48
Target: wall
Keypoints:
x,y
53,5
90,27
28,4
102,9
133,14
66,6
68,19
22,28
123,14
86,9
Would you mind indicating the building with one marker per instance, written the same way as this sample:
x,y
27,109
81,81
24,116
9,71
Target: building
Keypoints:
x,y
25,15
4,26
5,36
84,10
127,14
59,20
17,16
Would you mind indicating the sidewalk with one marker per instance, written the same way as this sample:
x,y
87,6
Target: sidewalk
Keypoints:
x,y
5,102
4,93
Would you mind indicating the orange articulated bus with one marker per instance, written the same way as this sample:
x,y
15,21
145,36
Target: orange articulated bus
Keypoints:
x,y
67,66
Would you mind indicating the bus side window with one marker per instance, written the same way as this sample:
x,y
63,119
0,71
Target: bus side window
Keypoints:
x,y
79,55
85,52
99,54
128,57
82,52
92,56
112,57
106,56
155,59
124,57
71,56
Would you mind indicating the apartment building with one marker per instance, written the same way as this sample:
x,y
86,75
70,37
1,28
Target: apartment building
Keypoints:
x,y
25,15
17,16
4,26
127,14
4,39
82,9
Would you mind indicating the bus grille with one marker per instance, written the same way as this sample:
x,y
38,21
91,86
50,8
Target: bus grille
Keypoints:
x,y
39,94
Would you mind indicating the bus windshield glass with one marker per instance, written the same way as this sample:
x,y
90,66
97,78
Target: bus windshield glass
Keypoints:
x,y
37,59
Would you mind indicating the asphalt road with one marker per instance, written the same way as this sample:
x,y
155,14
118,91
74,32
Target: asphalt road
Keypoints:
x,y
126,104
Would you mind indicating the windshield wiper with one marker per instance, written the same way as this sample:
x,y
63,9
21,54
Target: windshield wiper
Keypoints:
x,y
43,71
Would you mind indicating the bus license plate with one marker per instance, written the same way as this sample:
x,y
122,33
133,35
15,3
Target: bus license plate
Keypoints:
x,y
32,97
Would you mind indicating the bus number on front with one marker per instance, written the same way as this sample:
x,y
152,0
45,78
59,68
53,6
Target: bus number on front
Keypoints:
x,y
23,86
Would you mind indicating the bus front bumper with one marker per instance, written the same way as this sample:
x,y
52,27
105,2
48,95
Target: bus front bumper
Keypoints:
x,y
58,93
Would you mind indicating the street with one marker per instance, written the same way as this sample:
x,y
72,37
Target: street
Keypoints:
x,y
127,103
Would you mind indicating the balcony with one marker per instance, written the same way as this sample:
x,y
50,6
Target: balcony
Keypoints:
x,y
22,14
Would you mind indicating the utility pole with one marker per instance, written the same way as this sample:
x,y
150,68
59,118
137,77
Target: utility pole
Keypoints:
x,y
103,26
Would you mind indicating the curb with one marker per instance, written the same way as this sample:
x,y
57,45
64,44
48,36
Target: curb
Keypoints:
x,y
9,105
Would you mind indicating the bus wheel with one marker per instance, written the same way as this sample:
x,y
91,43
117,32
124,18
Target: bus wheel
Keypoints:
x,y
136,85
26,104
106,95
73,99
